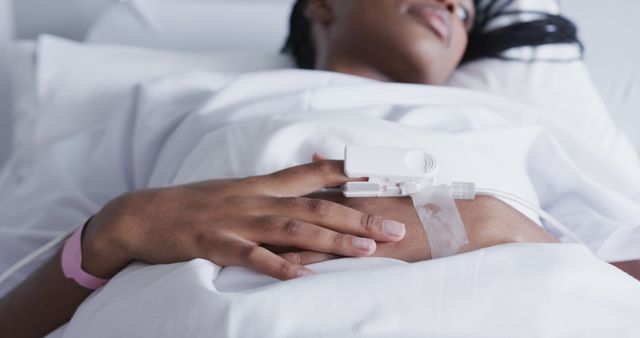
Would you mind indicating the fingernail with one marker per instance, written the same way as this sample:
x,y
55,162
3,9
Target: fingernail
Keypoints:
x,y
364,244
317,157
393,228
305,273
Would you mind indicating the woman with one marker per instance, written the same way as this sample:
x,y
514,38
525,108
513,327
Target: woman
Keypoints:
x,y
270,223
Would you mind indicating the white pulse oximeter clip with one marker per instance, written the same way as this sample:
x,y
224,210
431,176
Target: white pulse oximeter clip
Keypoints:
x,y
391,172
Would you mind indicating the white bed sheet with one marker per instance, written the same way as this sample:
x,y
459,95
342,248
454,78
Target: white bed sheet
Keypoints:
x,y
498,292
468,291
264,122
254,126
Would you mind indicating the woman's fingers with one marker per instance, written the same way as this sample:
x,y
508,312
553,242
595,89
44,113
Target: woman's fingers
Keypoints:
x,y
286,185
286,232
305,179
264,261
307,257
337,217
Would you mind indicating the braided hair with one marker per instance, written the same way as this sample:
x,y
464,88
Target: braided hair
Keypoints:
x,y
484,41
542,29
300,42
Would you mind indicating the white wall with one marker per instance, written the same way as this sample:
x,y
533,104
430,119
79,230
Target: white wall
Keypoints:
x,y
610,32
6,33
612,47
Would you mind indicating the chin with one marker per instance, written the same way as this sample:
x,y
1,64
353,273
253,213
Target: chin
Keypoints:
x,y
435,79
431,74
429,67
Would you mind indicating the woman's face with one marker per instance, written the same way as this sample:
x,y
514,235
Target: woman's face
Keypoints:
x,y
414,41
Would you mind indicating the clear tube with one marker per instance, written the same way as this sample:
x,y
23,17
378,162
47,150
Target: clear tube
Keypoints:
x,y
554,222
468,191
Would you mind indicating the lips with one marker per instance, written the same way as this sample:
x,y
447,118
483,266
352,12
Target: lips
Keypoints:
x,y
436,18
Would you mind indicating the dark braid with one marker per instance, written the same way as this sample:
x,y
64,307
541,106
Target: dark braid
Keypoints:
x,y
491,42
300,42
484,41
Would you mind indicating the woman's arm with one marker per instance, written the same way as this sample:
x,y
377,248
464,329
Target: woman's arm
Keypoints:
x,y
630,267
226,222
44,302
488,222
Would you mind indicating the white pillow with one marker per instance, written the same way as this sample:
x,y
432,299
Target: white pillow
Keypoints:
x,y
563,87
195,24
78,86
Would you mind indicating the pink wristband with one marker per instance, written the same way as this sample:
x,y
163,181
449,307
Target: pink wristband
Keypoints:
x,y
72,263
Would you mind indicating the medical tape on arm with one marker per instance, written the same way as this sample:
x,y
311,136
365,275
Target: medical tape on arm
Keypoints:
x,y
441,220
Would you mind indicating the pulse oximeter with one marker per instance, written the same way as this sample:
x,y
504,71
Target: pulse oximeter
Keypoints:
x,y
391,172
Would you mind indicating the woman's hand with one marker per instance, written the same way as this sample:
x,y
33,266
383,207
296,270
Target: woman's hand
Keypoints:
x,y
230,222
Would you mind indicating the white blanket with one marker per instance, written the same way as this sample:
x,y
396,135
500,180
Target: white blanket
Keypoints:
x,y
205,126
507,291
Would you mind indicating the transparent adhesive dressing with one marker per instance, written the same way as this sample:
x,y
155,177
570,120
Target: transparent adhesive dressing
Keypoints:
x,y
441,220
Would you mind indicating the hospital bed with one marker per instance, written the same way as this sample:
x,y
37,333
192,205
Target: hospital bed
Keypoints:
x,y
48,74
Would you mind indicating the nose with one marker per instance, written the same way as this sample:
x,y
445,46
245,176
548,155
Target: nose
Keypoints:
x,y
450,5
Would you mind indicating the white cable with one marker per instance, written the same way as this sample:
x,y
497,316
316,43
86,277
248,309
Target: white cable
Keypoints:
x,y
469,191
35,255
